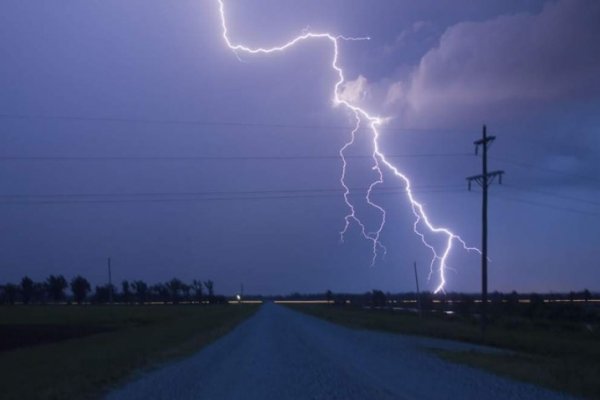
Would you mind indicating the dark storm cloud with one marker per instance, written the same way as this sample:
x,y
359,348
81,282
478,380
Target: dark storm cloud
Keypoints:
x,y
505,63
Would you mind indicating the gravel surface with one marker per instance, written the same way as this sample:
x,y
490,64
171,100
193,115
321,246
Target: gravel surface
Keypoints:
x,y
282,354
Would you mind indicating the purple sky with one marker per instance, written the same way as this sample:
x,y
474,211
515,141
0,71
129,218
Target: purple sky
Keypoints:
x,y
106,106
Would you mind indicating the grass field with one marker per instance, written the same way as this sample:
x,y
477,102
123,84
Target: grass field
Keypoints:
x,y
561,357
78,352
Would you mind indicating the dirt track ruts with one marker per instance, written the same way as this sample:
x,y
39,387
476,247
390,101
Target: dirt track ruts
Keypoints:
x,y
282,354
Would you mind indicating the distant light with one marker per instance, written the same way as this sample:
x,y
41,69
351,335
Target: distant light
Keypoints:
x,y
237,296
303,302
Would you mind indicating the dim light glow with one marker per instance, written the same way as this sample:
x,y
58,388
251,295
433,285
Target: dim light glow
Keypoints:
x,y
303,302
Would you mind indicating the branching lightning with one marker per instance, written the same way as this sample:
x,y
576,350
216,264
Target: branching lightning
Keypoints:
x,y
361,116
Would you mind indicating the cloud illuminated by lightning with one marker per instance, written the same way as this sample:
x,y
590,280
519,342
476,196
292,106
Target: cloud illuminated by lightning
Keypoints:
x,y
373,122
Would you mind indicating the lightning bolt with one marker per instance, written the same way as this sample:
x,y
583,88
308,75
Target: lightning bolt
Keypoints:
x,y
351,216
439,258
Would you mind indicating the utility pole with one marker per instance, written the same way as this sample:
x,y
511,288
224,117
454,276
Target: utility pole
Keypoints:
x,y
418,293
484,180
110,286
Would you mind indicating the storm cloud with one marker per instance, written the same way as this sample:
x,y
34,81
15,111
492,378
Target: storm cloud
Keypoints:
x,y
496,66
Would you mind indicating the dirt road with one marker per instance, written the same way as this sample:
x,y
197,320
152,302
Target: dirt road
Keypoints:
x,y
283,354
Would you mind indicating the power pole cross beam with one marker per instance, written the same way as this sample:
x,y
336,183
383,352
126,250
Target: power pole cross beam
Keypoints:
x,y
484,180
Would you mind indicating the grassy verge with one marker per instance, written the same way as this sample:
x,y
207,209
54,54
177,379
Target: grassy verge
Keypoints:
x,y
116,342
544,353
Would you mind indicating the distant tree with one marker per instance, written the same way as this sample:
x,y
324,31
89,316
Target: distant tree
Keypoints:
x,y
328,296
102,293
536,306
209,288
174,287
39,292
141,291
185,290
26,289
513,298
378,298
427,300
512,303
10,292
56,286
197,286
160,292
80,288
126,291
587,295
465,303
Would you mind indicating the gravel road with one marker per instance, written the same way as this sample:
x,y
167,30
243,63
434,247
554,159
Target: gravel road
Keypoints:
x,y
282,354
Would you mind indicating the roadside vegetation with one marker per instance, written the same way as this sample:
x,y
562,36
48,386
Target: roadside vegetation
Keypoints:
x,y
79,352
54,290
555,345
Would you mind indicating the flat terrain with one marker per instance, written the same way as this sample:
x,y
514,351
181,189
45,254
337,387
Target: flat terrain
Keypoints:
x,y
556,354
77,352
283,354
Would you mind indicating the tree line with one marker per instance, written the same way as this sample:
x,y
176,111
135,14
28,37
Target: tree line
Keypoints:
x,y
581,306
54,290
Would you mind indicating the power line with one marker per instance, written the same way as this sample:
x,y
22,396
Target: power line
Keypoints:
x,y
79,198
544,193
236,192
545,205
208,123
502,196
219,158
198,199
549,170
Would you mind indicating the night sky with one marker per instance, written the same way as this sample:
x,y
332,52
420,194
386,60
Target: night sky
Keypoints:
x,y
128,129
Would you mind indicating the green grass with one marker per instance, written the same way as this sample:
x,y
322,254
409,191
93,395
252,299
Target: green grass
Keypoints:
x,y
131,338
557,356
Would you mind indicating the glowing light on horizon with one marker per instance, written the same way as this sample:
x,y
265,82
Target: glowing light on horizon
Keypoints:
x,y
379,159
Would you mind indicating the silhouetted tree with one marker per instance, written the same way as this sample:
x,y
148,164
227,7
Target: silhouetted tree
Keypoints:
x,y
536,306
185,289
197,286
465,304
39,292
427,300
56,286
210,289
141,291
10,291
512,302
102,293
126,295
26,289
378,298
160,292
174,286
328,296
80,288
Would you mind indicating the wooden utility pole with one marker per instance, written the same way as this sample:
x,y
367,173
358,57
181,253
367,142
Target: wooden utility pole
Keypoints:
x,y
484,180
418,293
110,286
